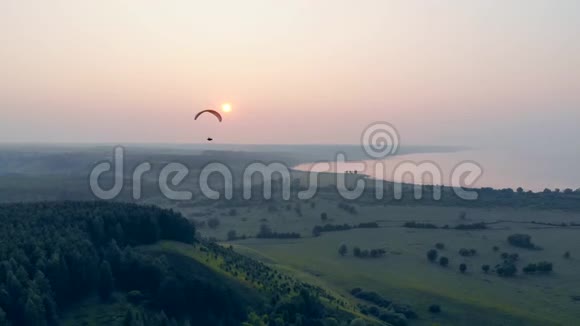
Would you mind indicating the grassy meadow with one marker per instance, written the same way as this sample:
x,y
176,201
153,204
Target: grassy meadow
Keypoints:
x,y
405,274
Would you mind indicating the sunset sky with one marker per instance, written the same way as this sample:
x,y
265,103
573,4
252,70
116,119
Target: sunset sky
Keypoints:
x,y
443,72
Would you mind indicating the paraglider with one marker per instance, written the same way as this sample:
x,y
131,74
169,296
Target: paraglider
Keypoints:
x,y
214,112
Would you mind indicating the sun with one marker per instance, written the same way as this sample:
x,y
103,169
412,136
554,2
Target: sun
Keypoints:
x,y
226,107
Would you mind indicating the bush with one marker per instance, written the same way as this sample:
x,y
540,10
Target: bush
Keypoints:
x,y
485,268
522,241
342,250
213,222
233,212
545,267
232,235
474,226
368,225
440,245
267,233
495,248
434,309
432,255
567,255
444,261
356,252
462,268
415,225
507,269
531,268
324,216
467,252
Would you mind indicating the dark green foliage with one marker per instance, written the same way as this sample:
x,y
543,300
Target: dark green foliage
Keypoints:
x,y
232,235
467,252
106,284
444,261
54,254
348,208
267,233
474,226
324,216
213,222
507,269
373,253
541,267
343,250
415,225
368,225
371,297
485,268
432,255
495,248
317,230
434,309
462,267
440,245
522,241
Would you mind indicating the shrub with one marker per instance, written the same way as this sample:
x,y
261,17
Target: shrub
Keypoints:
x,y
467,252
531,268
213,222
432,255
444,261
356,252
368,225
507,269
434,309
474,226
232,235
324,216
233,212
342,250
415,225
522,241
485,268
462,268
440,245
567,255
545,267
495,248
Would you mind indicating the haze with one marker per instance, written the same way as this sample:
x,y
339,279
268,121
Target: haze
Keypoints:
x,y
443,72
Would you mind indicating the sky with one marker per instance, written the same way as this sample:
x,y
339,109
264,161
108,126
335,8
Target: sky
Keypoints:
x,y
295,72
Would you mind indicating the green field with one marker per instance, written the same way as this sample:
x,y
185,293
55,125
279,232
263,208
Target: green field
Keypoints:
x,y
405,275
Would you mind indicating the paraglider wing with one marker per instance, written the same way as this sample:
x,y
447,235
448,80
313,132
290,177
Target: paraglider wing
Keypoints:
x,y
214,112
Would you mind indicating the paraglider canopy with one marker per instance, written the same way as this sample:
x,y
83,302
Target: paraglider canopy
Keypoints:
x,y
214,112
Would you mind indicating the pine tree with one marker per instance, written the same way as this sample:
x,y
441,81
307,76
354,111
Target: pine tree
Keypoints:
x,y
106,283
